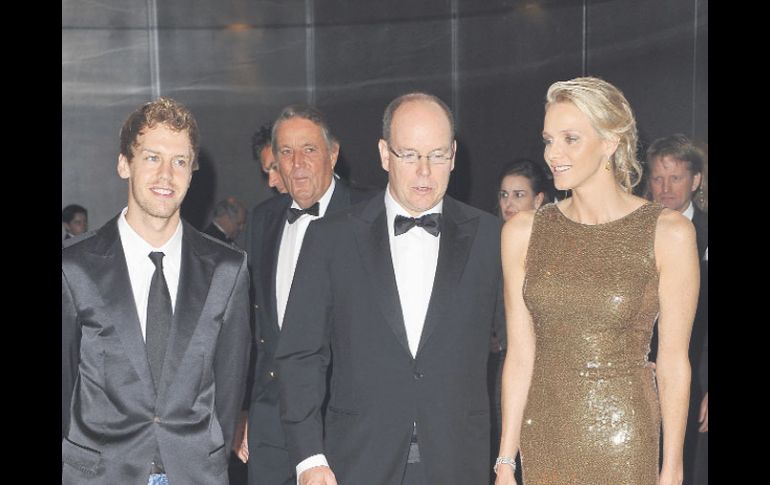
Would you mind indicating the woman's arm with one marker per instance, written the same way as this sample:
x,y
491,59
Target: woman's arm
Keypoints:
x,y
677,259
520,357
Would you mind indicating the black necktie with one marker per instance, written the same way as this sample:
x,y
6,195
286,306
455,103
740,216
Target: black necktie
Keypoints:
x,y
430,222
293,213
158,318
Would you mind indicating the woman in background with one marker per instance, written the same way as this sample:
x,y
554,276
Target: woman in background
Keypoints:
x,y
523,185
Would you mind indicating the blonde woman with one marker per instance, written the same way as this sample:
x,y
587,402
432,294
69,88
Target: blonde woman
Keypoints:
x,y
584,281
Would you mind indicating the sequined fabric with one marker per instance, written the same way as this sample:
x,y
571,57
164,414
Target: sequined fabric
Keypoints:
x,y
592,416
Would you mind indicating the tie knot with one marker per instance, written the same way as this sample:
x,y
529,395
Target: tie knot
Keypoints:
x,y
430,222
157,259
294,213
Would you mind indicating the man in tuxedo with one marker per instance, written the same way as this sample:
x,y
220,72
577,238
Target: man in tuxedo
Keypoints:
x,y
676,172
262,150
306,152
155,325
398,296
75,220
228,222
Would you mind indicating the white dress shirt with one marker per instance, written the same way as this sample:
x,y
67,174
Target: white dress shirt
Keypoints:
x,y
689,212
288,251
141,267
415,257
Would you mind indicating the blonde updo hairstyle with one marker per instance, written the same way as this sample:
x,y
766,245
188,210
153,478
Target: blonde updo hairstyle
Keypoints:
x,y
610,115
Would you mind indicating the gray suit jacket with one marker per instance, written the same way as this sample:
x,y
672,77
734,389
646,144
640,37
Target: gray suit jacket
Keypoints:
x,y
344,312
113,422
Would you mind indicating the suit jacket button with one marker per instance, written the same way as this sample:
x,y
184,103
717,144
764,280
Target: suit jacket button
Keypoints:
x,y
261,340
418,375
271,374
156,419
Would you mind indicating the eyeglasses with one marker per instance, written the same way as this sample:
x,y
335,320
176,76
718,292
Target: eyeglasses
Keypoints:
x,y
434,157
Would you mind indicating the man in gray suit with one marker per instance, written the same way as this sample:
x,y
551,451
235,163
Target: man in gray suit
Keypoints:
x,y
154,325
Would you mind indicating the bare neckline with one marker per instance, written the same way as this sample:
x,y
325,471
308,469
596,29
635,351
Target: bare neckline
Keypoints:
x,y
556,206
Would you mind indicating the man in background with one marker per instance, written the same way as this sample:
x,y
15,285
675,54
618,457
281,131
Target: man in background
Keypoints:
x,y
229,220
75,220
262,150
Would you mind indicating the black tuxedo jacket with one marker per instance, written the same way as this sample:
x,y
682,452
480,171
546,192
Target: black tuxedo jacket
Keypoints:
x,y
213,231
263,239
700,324
344,311
698,342
113,421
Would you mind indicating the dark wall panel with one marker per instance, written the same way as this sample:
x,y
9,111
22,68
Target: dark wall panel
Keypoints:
x,y
108,15
701,108
230,81
105,75
237,63
215,14
646,49
345,12
367,57
508,55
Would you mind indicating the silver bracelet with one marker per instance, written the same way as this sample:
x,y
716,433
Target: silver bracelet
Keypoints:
x,y
507,460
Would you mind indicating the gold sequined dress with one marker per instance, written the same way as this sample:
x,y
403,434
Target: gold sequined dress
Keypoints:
x,y
592,415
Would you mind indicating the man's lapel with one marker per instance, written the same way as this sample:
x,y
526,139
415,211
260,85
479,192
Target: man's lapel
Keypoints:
x,y
195,275
457,233
371,233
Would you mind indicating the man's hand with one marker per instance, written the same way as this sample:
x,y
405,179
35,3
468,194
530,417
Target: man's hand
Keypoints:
x,y
318,475
495,346
241,437
703,417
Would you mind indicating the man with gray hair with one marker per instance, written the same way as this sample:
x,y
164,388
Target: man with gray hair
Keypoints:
x,y
306,153
229,220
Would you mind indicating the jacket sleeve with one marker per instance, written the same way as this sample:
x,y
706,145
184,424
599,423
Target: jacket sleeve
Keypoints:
x,y
303,351
232,356
70,351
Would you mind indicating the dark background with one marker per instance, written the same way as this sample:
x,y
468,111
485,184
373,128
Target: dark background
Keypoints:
x,y
237,63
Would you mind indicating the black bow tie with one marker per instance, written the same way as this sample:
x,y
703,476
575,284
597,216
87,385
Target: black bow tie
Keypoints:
x,y
293,213
430,222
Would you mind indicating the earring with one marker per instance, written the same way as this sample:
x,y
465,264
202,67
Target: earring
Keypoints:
x,y
608,166
700,199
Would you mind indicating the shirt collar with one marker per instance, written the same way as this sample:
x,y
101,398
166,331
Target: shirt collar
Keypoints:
x,y
220,229
689,212
134,243
393,209
323,202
